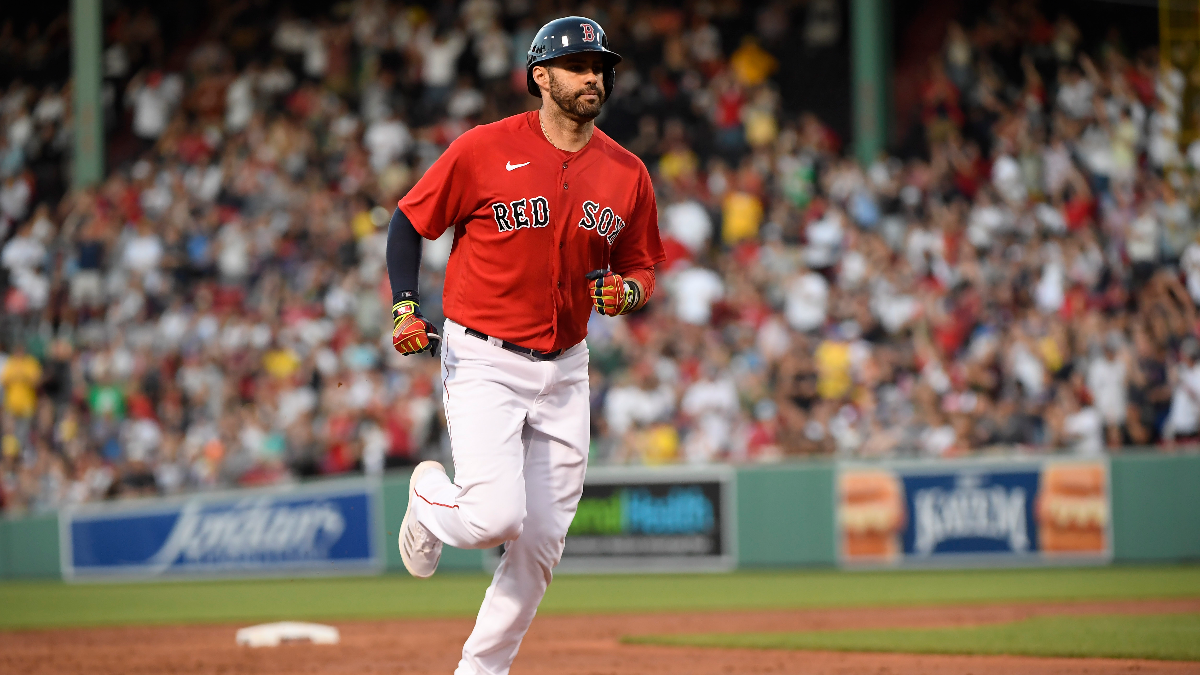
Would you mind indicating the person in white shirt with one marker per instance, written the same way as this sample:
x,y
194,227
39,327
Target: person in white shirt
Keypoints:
x,y
20,128
825,240
986,220
291,35
151,104
50,107
1183,420
938,437
479,15
143,253
439,60
276,80
1050,291
316,54
240,99
923,247
1008,181
142,438
688,223
694,290
387,140
1023,362
1082,427
24,257
1075,94
23,252
641,400
234,256
1108,383
1056,166
1190,262
15,194
712,404
1142,243
492,49
1162,146
806,301
465,101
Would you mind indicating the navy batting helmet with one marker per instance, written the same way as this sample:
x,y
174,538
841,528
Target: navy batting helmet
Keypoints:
x,y
571,35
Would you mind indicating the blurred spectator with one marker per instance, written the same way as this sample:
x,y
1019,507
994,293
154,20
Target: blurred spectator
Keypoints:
x,y
20,375
1107,381
694,291
1082,428
151,99
387,139
1183,420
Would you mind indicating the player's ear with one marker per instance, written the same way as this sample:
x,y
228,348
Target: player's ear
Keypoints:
x,y
541,76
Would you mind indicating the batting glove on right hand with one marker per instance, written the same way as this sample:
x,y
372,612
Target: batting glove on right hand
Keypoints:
x,y
612,294
411,333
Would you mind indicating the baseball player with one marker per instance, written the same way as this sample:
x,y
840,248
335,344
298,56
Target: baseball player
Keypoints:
x,y
551,219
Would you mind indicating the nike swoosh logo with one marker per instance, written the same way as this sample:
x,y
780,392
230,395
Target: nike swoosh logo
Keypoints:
x,y
510,166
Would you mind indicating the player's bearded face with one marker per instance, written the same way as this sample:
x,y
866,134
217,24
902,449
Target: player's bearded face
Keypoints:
x,y
580,100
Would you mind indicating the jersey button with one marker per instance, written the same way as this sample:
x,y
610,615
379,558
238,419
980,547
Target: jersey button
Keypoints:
x,y
564,165
564,186
560,284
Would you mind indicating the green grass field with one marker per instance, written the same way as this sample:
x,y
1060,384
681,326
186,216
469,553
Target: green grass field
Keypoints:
x,y
1167,636
51,604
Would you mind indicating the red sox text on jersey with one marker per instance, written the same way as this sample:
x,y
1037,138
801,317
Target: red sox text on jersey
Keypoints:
x,y
535,212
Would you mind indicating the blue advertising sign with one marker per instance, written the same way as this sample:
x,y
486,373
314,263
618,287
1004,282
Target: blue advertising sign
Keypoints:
x,y
974,511
326,528
970,513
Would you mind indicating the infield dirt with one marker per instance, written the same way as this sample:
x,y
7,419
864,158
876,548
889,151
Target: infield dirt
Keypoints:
x,y
566,645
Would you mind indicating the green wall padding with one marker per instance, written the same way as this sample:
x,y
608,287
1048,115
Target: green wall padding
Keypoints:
x,y
29,548
1156,507
785,515
5,539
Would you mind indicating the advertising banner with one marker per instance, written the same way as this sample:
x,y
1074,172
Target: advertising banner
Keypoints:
x,y
974,512
327,528
658,520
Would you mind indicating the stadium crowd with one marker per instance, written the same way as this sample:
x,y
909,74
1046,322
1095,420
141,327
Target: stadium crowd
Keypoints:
x,y
215,313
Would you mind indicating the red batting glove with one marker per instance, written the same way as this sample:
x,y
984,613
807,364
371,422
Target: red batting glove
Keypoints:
x,y
411,333
611,294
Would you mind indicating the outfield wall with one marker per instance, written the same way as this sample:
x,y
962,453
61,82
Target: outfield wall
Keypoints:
x,y
29,548
1156,508
785,516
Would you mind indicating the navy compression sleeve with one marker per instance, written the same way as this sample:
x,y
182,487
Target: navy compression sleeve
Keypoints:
x,y
403,257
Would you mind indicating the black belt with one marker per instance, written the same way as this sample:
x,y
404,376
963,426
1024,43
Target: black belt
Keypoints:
x,y
518,349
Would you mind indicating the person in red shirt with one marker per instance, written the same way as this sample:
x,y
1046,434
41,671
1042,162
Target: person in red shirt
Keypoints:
x,y
551,219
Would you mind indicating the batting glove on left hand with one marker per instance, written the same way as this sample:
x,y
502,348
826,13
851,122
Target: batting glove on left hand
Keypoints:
x,y
612,294
411,333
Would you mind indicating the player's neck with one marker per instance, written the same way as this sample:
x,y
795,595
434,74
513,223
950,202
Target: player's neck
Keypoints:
x,y
563,132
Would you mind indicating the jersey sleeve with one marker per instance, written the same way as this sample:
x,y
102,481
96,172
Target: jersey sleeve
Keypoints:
x,y
638,246
445,195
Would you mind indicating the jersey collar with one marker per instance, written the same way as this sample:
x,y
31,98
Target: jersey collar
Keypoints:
x,y
535,126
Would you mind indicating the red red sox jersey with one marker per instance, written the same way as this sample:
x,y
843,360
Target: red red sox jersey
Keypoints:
x,y
530,222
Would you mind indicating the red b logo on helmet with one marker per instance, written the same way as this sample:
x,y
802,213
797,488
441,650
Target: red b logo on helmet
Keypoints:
x,y
589,33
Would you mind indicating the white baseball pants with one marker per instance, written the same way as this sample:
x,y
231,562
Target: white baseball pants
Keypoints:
x,y
519,437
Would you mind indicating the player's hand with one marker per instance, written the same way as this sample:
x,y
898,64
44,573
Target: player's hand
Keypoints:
x,y
411,333
611,294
